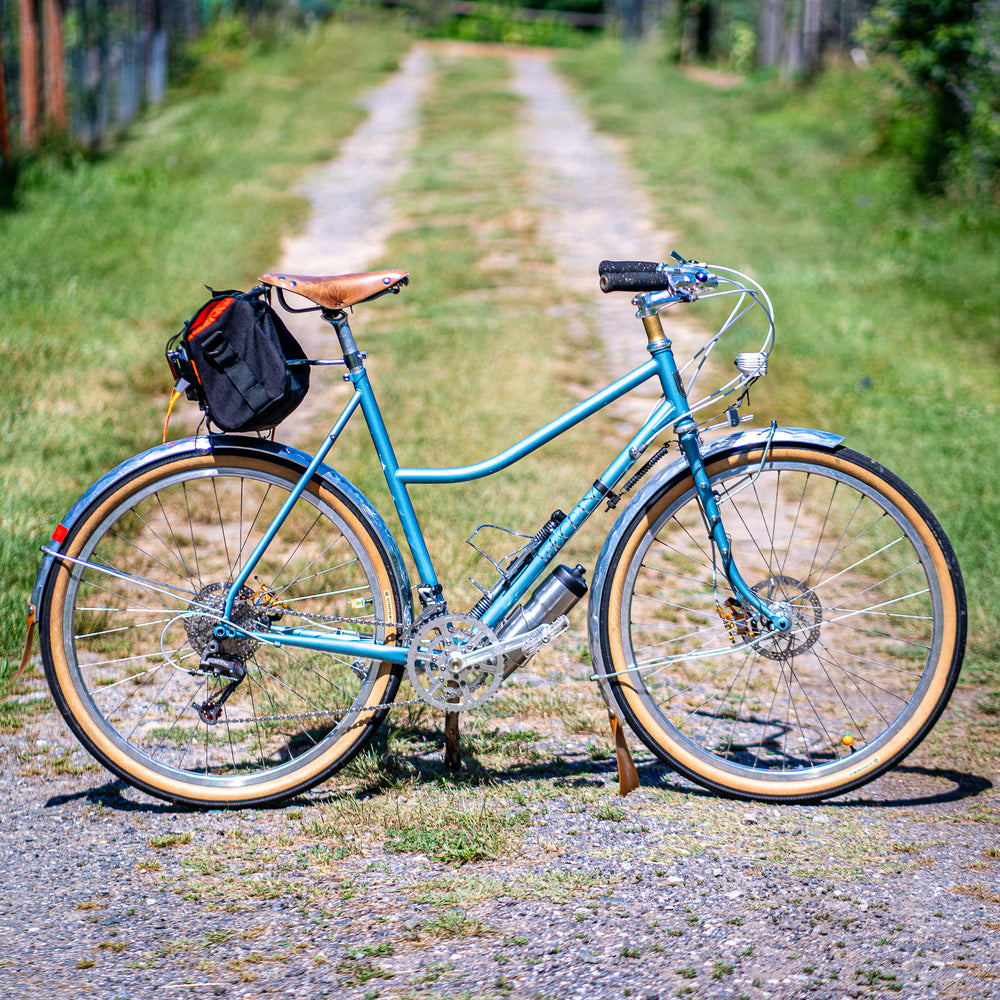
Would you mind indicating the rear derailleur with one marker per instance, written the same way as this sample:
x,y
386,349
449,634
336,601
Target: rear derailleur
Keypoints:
x,y
214,665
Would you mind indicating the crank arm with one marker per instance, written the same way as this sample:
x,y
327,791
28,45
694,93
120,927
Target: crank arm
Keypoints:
x,y
529,642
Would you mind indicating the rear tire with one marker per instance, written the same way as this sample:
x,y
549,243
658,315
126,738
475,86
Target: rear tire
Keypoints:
x,y
865,570
122,648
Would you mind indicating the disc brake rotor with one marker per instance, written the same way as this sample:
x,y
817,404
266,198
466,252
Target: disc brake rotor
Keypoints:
x,y
437,663
803,607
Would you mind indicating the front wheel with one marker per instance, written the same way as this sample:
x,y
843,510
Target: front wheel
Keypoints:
x,y
127,630
875,594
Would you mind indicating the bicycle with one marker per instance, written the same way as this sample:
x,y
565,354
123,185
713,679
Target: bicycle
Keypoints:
x,y
225,621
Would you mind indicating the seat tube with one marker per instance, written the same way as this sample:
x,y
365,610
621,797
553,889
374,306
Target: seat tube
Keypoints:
x,y
356,374
390,468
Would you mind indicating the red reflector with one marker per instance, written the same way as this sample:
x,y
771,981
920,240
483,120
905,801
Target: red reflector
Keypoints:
x,y
60,534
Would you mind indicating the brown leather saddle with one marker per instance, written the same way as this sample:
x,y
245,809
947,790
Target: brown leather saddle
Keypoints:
x,y
339,291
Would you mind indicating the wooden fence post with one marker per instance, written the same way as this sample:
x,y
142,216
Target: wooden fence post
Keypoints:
x,y
55,66
6,152
29,74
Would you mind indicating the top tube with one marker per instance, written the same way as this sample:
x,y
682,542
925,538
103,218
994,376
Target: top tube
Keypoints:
x,y
532,442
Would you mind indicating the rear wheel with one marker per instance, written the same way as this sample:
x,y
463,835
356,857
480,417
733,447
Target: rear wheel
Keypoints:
x,y
126,638
873,588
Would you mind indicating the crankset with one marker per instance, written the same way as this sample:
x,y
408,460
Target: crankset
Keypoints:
x,y
443,665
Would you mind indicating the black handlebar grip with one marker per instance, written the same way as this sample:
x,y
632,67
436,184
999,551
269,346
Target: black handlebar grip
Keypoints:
x,y
635,281
626,267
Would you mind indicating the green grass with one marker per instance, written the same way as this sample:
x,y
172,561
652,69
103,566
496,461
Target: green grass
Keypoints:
x,y
102,262
887,329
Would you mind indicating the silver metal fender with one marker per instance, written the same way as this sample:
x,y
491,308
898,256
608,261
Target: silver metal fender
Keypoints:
x,y
741,441
234,445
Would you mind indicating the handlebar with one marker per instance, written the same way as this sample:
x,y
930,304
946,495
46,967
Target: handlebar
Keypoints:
x,y
684,279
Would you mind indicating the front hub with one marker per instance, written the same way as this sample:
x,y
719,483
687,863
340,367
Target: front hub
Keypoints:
x,y
800,606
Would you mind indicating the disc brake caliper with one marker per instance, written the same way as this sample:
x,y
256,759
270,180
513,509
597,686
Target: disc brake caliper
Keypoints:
x,y
739,624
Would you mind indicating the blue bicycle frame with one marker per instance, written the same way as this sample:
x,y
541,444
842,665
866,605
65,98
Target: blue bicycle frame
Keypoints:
x,y
672,409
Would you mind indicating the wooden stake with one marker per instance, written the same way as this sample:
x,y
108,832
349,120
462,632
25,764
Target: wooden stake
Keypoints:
x,y
452,742
30,54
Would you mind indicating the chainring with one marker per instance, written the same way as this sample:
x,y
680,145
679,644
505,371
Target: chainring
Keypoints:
x,y
437,668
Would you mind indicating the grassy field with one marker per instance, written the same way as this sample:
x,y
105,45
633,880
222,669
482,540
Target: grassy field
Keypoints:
x,y
885,303
885,328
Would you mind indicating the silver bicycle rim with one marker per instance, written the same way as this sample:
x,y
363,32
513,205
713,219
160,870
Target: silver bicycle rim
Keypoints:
x,y
131,652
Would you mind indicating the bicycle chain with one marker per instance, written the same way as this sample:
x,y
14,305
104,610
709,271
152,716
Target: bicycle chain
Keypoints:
x,y
330,713
312,616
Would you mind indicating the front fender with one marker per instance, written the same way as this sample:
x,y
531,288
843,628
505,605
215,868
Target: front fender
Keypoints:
x,y
741,441
232,444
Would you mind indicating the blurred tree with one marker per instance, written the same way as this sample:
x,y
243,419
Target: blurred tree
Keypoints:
x,y
29,63
938,47
56,114
6,151
795,34
630,13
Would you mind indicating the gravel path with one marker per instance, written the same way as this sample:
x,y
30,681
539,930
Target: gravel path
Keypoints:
x,y
894,891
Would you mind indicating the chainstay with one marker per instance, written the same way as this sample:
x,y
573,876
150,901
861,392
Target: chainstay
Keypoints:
x,y
331,713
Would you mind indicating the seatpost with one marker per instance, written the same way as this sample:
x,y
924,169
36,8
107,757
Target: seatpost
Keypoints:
x,y
353,358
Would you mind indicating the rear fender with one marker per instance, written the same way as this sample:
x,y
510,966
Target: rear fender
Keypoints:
x,y
230,444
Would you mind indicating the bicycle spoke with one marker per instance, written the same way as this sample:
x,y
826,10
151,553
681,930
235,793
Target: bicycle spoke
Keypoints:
x,y
143,599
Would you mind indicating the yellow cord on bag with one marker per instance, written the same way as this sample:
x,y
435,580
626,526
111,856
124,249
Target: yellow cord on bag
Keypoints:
x,y
174,395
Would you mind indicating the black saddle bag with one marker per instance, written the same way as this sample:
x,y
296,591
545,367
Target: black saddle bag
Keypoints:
x,y
236,358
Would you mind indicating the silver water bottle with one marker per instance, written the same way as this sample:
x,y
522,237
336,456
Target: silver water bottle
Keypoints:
x,y
553,597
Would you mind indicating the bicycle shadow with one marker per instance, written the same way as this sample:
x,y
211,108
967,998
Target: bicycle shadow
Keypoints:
x,y
963,786
387,769
582,770
111,795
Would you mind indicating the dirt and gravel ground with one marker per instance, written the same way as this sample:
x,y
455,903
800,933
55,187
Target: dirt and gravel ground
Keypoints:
x,y
549,885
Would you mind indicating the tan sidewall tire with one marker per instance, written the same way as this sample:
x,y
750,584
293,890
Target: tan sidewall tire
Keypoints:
x,y
131,767
942,681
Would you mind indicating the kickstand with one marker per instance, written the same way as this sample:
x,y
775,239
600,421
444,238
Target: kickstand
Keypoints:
x,y
628,777
452,743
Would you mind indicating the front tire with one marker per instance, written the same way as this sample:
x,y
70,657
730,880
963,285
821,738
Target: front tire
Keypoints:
x,y
122,645
871,581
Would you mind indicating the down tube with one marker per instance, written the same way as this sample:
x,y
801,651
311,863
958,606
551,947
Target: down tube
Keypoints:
x,y
588,503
